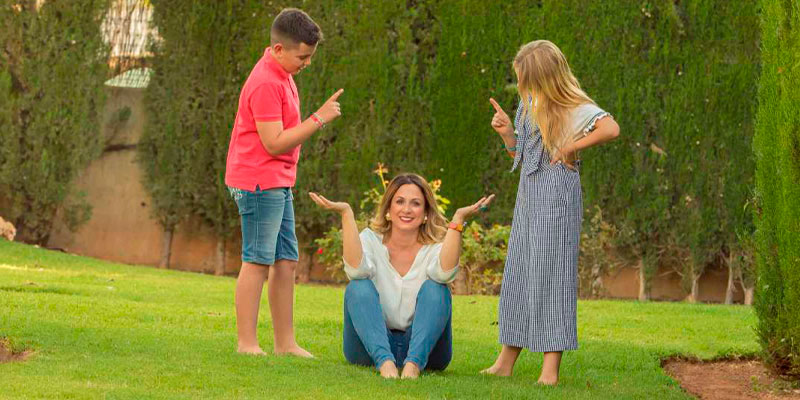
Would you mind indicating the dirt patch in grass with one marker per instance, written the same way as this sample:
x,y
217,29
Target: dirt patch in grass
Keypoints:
x,y
7,354
737,379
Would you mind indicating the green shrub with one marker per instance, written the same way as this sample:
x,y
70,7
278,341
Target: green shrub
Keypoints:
x,y
482,259
777,215
52,68
677,76
207,52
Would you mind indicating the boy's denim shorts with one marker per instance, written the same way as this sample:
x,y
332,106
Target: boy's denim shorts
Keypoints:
x,y
267,225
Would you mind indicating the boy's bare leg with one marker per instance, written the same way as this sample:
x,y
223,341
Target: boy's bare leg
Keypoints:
x,y
249,285
281,299
504,365
550,366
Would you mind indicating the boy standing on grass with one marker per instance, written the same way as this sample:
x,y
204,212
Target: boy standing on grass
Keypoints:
x,y
260,172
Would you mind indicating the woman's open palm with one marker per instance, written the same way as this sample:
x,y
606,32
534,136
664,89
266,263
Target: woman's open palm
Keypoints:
x,y
338,206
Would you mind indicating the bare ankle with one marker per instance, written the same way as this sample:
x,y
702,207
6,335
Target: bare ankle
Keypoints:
x,y
251,349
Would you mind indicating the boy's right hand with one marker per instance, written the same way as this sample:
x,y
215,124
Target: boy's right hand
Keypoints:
x,y
331,109
500,121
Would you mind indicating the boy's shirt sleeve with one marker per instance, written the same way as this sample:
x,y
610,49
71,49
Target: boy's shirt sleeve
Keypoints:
x,y
266,103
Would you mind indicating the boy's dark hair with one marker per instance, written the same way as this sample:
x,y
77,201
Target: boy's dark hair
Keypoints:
x,y
293,26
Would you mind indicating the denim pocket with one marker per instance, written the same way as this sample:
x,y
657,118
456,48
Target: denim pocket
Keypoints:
x,y
243,200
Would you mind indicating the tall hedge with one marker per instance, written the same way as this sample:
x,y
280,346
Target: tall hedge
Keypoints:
x,y
777,149
678,76
206,52
52,67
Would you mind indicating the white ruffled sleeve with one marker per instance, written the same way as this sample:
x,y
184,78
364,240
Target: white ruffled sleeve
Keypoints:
x,y
365,270
434,269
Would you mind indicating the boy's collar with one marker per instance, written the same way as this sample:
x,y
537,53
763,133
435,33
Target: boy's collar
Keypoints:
x,y
273,64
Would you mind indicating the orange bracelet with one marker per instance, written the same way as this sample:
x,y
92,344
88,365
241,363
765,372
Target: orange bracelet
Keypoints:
x,y
457,227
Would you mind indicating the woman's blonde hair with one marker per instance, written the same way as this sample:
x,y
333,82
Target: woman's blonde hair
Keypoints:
x,y
431,231
544,76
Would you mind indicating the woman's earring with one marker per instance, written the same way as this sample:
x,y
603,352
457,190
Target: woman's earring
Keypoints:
x,y
425,220
388,217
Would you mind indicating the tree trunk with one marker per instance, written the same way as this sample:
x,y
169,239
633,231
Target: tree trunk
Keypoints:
x,y
644,294
731,281
166,248
695,288
219,265
597,282
460,284
748,295
304,267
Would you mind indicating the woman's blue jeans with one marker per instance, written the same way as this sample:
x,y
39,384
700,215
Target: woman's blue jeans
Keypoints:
x,y
428,342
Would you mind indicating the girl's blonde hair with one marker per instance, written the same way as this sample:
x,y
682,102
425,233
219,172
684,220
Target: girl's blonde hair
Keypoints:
x,y
431,231
544,76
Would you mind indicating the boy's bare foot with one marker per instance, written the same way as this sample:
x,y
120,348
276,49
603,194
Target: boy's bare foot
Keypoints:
x,y
498,370
254,350
388,370
547,379
293,351
410,371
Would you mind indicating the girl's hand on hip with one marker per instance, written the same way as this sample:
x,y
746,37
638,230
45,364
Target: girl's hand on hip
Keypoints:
x,y
565,157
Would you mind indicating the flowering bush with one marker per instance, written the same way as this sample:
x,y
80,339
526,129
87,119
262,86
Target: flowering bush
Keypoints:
x,y
482,259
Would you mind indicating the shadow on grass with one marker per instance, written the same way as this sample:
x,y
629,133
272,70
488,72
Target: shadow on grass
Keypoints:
x,y
39,289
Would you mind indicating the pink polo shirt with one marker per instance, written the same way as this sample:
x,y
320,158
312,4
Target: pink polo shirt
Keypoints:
x,y
268,95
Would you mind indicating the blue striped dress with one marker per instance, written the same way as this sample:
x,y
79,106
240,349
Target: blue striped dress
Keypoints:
x,y
539,294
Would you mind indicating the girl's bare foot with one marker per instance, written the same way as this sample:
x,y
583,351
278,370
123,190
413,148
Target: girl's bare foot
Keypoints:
x,y
550,366
410,371
504,365
293,351
549,380
498,370
254,350
388,370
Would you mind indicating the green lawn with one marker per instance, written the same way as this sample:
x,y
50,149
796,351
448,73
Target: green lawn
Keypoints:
x,y
108,330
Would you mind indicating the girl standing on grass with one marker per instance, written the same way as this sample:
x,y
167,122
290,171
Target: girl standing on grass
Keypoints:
x,y
555,119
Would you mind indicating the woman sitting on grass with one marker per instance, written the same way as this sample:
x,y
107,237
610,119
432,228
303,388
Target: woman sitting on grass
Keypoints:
x,y
397,307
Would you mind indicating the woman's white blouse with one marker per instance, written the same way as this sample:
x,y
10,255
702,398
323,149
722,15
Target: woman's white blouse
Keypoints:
x,y
398,294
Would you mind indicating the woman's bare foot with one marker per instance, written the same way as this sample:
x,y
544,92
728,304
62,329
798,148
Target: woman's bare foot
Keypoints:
x,y
254,350
410,371
293,351
498,370
388,370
